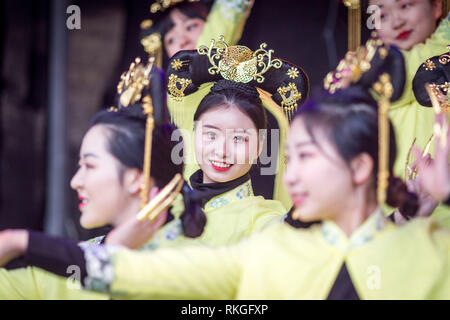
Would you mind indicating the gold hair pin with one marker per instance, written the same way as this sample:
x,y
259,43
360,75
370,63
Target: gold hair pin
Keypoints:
x,y
163,200
162,5
385,90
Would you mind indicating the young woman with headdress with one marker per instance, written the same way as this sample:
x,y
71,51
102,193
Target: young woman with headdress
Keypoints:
x,y
431,87
421,29
341,152
110,177
281,87
232,209
186,24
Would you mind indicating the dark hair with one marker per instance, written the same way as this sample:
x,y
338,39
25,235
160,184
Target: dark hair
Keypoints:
x,y
227,93
350,120
126,142
439,74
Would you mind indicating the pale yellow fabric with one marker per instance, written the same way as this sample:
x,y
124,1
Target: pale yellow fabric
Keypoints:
x,y
226,18
409,262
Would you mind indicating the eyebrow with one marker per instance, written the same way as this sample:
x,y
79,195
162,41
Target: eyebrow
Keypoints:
x,y
87,155
304,143
210,126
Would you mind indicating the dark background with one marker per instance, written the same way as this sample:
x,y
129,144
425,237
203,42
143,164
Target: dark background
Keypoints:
x,y
311,34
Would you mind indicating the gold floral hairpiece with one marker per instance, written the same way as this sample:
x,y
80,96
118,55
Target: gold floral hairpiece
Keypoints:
x,y
162,5
239,63
356,64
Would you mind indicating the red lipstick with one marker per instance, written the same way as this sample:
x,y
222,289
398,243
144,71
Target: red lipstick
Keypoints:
x,y
404,35
220,169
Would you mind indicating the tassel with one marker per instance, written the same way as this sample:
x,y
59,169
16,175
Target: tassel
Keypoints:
x,y
354,24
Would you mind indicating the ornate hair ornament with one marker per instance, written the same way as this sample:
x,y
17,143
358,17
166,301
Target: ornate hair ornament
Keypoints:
x,y
385,91
176,86
133,82
445,58
131,90
162,5
354,64
239,63
290,96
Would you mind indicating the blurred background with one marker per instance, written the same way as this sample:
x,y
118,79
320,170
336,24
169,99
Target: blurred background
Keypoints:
x,y
54,79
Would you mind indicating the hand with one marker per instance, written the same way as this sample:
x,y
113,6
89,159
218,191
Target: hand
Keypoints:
x,y
133,233
427,203
435,175
13,243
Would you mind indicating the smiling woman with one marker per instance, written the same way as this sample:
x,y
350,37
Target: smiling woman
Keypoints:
x,y
405,23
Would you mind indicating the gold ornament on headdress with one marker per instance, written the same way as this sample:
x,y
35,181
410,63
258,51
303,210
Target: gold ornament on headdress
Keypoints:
x,y
239,63
130,88
354,23
177,86
289,103
385,90
445,58
163,200
162,5
153,46
429,65
355,63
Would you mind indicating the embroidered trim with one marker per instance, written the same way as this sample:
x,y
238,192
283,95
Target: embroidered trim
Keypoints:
x,y
167,234
100,271
243,191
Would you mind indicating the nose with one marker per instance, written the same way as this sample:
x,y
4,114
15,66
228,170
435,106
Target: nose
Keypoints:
x,y
289,177
397,21
221,148
76,181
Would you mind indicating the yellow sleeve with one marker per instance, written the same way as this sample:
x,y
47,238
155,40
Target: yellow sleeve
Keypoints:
x,y
197,272
36,284
226,18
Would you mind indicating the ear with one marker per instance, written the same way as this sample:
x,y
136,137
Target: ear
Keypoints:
x,y
133,180
437,9
362,168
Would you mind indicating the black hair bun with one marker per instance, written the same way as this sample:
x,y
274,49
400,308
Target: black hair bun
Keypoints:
x,y
246,89
386,60
432,71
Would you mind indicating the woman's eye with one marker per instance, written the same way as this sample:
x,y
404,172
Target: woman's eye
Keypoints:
x,y
211,135
383,16
191,26
406,5
304,155
239,139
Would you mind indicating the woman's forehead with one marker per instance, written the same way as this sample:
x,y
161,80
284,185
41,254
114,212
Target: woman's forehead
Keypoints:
x,y
227,117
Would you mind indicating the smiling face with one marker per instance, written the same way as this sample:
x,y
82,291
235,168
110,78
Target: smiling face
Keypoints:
x,y
226,144
405,23
184,34
103,196
317,178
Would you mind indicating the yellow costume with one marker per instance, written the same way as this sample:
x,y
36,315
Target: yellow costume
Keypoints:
x,y
410,119
231,216
384,262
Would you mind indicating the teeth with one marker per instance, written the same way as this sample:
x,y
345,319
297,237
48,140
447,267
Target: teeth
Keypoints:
x,y
220,164
84,201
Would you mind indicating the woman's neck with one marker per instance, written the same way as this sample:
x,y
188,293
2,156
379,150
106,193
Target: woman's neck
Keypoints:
x,y
131,210
355,212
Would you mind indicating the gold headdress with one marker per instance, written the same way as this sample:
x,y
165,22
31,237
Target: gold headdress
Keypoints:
x,y
242,65
132,89
355,64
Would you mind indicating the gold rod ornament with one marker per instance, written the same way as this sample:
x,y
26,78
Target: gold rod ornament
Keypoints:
x,y
354,24
445,8
150,124
163,200
385,90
